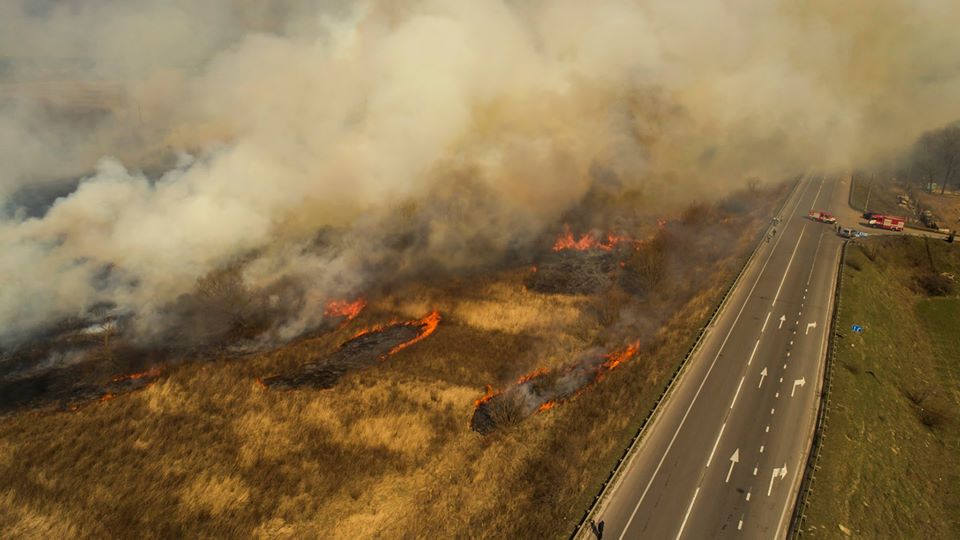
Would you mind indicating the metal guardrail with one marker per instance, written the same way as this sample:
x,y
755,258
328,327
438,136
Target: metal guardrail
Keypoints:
x,y
813,460
638,436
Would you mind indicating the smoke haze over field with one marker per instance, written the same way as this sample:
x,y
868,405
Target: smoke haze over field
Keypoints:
x,y
411,134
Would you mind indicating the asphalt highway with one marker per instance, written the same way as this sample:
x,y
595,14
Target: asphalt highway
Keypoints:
x,y
724,455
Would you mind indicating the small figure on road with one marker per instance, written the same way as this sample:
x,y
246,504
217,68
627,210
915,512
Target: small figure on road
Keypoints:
x,y
597,529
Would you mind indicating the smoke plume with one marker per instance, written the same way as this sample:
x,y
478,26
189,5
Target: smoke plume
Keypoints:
x,y
312,150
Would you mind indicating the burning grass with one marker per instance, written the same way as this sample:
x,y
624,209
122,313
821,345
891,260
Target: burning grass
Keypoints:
x,y
365,349
543,389
388,452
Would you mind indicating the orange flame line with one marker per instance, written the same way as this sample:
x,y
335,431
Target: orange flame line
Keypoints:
x,y
532,375
155,372
344,308
490,394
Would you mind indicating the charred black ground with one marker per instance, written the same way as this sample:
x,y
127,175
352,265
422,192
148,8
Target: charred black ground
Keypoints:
x,y
362,351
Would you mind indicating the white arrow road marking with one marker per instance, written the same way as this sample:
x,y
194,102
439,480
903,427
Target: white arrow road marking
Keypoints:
x,y
762,375
734,459
809,326
798,382
777,471
782,318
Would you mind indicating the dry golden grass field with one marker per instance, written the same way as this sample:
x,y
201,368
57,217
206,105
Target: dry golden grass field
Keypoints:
x,y
205,451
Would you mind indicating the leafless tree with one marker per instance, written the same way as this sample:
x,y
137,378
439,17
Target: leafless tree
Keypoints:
x,y
936,156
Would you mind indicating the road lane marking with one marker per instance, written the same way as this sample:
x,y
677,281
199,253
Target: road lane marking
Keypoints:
x,y
687,515
734,459
814,265
755,469
777,471
737,393
817,196
777,395
789,263
772,410
696,394
781,379
823,351
767,430
715,443
782,319
765,322
798,382
755,345
809,326
763,374
761,448
740,524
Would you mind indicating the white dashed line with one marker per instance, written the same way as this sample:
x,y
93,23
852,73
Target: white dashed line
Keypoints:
x,y
737,392
687,515
710,459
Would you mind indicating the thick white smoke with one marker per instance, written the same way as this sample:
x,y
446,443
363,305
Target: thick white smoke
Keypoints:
x,y
468,126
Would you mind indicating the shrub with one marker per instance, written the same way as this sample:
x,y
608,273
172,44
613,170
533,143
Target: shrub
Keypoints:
x,y
933,284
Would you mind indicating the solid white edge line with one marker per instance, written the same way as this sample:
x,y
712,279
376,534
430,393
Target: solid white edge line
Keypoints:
x,y
687,515
673,439
792,493
715,443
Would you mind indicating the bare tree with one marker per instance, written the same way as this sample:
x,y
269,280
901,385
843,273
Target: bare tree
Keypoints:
x,y
936,156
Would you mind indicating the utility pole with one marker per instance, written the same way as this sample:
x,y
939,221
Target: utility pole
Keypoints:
x,y
866,204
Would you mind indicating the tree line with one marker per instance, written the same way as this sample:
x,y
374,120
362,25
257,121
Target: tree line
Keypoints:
x,y
935,157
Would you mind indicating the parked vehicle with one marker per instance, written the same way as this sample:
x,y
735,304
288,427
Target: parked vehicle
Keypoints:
x,y
823,217
890,223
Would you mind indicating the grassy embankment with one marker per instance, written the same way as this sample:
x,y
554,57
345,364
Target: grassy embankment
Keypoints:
x,y
206,452
889,462
882,195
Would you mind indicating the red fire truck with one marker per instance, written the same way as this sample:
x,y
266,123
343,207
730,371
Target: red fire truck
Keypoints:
x,y
891,223
822,217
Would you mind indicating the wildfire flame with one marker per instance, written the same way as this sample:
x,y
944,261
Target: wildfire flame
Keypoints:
x,y
587,241
547,406
486,397
614,359
532,375
591,374
428,325
155,372
344,308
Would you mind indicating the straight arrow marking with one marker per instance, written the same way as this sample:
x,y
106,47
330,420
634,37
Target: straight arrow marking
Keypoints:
x,y
734,459
782,318
763,374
